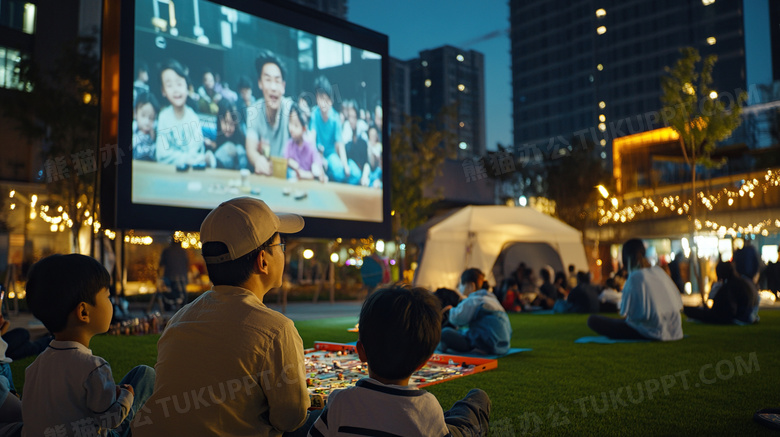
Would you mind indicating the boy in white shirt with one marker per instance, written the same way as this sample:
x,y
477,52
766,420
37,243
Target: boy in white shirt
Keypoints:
x,y
69,391
399,330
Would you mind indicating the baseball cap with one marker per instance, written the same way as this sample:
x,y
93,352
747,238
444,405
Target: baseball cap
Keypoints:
x,y
243,224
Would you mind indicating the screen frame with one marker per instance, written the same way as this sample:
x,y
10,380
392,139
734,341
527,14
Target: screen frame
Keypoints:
x,y
117,208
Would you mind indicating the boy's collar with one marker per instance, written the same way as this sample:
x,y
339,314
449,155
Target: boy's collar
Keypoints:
x,y
68,345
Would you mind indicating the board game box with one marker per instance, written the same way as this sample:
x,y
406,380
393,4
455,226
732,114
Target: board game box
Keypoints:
x,y
331,366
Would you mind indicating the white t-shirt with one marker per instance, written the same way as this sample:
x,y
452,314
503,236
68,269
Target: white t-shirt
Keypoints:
x,y
651,304
70,392
373,408
179,141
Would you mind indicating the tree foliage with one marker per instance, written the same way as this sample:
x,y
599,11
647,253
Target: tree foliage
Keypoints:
x,y
694,110
572,174
61,112
418,152
691,110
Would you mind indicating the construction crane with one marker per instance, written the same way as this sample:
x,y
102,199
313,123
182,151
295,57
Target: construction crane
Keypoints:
x,y
485,37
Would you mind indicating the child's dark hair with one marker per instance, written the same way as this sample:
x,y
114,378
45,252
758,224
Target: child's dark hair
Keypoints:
x,y
243,82
303,116
447,296
470,275
142,66
225,106
268,57
143,98
58,283
399,329
177,68
322,86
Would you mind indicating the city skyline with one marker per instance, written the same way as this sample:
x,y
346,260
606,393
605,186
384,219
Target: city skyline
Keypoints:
x,y
418,32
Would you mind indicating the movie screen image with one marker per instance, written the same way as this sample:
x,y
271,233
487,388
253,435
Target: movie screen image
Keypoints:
x,y
226,104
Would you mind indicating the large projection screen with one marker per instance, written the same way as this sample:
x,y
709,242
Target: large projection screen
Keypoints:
x,y
219,99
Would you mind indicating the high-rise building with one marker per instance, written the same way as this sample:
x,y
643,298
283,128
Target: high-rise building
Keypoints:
x,y
593,68
400,104
35,30
448,77
337,8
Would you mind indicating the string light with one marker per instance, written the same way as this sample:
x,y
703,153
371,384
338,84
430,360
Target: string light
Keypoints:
x,y
650,205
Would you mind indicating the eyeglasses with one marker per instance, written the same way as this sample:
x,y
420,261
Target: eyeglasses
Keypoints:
x,y
279,244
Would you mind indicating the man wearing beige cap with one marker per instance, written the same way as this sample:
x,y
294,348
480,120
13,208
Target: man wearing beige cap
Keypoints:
x,y
227,365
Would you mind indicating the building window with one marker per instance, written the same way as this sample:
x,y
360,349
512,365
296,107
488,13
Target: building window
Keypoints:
x,y
19,15
9,69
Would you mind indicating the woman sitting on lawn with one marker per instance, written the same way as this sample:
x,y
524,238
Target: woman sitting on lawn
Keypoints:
x,y
650,303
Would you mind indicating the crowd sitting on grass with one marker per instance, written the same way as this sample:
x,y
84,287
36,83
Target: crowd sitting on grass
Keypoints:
x,y
69,389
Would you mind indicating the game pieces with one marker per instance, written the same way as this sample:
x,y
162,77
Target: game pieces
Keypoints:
x,y
332,366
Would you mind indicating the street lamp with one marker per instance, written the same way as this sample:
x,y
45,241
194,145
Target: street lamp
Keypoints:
x,y
603,191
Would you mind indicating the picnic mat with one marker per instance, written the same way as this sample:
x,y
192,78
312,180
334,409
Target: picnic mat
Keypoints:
x,y
600,339
511,351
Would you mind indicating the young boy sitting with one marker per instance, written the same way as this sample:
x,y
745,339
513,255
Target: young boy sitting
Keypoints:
x,y
69,391
489,330
399,330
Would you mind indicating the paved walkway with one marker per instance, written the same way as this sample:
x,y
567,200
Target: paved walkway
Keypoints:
x,y
296,311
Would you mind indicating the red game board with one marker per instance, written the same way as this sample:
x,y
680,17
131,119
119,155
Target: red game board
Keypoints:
x,y
331,366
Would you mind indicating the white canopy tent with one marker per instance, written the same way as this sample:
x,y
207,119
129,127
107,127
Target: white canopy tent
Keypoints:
x,y
495,239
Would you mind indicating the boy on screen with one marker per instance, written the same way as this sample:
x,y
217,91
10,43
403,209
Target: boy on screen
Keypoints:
x,y
143,131
179,140
326,129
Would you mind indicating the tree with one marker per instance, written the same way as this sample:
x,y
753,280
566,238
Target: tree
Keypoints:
x,y
417,156
61,110
573,172
694,111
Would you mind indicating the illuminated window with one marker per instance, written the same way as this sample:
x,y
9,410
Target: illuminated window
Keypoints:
x,y
602,104
601,30
601,13
9,69
711,40
461,87
707,2
459,58
600,67
602,118
427,83
19,15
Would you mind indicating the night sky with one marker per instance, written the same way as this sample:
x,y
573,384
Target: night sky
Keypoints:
x,y
413,26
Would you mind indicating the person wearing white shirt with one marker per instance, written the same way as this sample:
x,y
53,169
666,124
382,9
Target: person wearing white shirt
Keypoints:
x,y
650,302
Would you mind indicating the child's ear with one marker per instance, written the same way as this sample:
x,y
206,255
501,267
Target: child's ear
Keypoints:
x,y
82,312
361,351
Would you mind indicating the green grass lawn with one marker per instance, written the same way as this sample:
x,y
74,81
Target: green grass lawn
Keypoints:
x,y
709,383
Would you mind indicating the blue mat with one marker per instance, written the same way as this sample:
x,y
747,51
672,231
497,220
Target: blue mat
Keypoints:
x,y
538,312
600,339
511,351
